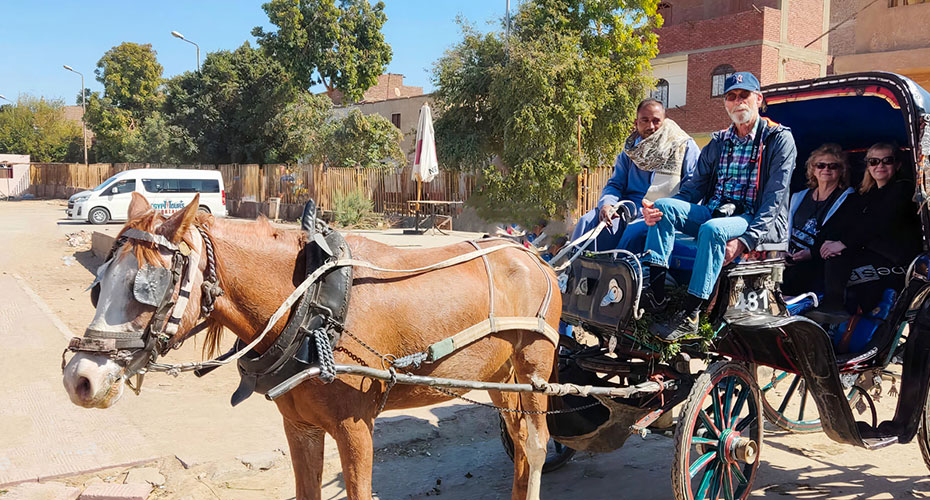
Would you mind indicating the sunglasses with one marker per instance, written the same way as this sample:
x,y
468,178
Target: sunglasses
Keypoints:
x,y
874,162
828,166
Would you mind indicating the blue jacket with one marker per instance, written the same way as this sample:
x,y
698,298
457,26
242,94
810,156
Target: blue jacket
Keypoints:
x,y
768,229
630,183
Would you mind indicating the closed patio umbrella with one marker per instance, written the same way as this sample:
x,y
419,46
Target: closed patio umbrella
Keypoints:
x,y
425,165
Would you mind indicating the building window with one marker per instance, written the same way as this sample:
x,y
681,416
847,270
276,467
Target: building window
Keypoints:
x,y
661,92
664,9
395,119
897,3
719,78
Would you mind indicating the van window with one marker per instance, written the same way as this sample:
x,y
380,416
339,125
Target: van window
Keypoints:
x,y
181,185
125,186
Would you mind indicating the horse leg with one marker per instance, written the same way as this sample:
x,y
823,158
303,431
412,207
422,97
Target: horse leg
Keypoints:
x,y
534,360
306,445
518,434
354,439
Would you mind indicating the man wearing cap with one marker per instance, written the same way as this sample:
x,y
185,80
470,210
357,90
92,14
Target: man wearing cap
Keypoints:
x,y
741,183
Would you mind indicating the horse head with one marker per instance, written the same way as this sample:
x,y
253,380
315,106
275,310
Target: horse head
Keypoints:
x,y
147,297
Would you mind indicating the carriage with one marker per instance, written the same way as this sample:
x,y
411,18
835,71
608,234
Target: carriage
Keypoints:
x,y
758,359
764,360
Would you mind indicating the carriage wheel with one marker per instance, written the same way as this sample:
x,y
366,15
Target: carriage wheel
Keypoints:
x,y
787,403
719,435
557,454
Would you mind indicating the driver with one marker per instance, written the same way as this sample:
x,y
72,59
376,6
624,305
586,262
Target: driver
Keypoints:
x,y
742,181
656,158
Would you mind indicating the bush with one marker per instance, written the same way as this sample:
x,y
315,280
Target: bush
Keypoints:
x,y
352,209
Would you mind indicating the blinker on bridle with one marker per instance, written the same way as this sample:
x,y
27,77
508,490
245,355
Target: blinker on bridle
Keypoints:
x,y
153,286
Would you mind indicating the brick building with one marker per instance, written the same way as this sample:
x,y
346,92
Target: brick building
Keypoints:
x,y
884,35
702,42
389,86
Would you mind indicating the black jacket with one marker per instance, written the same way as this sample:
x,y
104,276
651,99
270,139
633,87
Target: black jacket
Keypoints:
x,y
883,220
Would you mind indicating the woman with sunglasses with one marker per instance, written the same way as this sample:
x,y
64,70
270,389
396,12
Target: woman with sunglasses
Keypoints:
x,y
827,189
869,249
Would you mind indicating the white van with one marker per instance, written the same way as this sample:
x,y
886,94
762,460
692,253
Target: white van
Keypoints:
x,y
167,189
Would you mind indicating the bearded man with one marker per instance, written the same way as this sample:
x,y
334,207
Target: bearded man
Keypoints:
x,y
656,158
742,182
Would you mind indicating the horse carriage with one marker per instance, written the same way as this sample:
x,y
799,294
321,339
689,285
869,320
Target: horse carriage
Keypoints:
x,y
331,364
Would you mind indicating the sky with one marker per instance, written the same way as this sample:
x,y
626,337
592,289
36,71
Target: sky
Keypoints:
x,y
39,36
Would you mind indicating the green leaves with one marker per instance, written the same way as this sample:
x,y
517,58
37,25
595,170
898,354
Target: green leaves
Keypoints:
x,y
343,44
37,127
512,110
131,78
362,141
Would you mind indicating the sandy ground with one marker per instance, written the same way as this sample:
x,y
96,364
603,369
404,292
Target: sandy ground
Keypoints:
x,y
195,439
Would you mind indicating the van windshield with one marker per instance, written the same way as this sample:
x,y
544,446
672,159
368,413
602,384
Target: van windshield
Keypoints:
x,y
104,184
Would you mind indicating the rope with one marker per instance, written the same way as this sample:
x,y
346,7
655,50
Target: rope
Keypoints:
x,y
324,351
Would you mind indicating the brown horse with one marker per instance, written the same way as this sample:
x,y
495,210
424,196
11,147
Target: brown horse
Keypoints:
x,y
258,268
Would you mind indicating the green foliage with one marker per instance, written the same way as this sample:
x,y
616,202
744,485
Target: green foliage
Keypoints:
x,y
351,208
131,78
638,329
38,127
511,110
343,44
301,127
225,109
364,141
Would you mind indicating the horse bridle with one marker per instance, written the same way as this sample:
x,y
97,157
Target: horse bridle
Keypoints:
x,y
154,286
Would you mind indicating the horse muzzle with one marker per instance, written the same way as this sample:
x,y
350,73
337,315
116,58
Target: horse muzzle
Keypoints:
x,y
93,381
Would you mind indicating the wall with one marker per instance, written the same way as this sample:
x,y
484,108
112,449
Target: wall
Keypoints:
x,y
19,184
675,71
409,109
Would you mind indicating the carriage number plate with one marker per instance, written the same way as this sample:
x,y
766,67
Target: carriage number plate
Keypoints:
x,y
752,300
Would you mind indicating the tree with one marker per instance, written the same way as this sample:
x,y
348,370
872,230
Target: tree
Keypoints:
x,y
131,78
343,44
224,110
511,110
301,127
38,127
362,141
132,93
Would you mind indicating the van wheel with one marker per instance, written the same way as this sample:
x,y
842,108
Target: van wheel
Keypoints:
x,y
204,209
98,215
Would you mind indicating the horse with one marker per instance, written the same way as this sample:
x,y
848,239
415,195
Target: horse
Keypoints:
x,y
258,267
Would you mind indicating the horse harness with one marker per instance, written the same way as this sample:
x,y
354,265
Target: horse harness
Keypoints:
x,y
154,286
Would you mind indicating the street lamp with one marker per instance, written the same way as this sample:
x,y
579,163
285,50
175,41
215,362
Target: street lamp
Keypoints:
x,y
5,99
83,110
180,36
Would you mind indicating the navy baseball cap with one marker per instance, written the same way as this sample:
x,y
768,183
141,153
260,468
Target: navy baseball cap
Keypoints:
x,y
742,80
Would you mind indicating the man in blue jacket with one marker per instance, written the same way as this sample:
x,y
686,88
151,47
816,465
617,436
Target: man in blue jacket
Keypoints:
x,y
742,181
665,156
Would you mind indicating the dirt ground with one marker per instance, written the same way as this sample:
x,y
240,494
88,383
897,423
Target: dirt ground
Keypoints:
x,y
200,444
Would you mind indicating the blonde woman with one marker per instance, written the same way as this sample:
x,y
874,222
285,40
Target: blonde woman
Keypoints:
x,y
827,189
873,241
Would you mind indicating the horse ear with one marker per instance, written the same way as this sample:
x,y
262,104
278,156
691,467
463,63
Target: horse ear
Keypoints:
x,y
139,206
178,224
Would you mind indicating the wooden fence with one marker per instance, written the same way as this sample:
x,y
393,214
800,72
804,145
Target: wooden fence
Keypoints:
x,y
389,189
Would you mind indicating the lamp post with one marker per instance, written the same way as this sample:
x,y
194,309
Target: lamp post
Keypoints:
x,y
83,110
181,37
5,99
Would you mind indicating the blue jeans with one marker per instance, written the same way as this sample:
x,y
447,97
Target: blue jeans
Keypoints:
x,y
712,237
632,237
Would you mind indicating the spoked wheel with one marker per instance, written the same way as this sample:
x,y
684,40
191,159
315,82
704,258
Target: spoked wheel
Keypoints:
x,y
719,435
787,403
557,454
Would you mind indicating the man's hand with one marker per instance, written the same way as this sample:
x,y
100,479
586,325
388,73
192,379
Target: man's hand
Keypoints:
x,y
608,213
800,255
831,249
651,214
735,248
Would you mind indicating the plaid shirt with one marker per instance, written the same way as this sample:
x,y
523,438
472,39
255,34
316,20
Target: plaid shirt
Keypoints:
x,y
737,178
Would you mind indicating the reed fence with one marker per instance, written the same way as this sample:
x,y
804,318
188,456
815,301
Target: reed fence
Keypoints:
x,y
389,189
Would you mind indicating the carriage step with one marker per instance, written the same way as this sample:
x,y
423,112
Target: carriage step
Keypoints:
x,y
879,442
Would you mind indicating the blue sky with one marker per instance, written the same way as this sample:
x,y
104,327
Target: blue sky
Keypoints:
x,y
40,36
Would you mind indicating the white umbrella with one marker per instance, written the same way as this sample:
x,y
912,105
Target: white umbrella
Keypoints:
x,y
425,165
